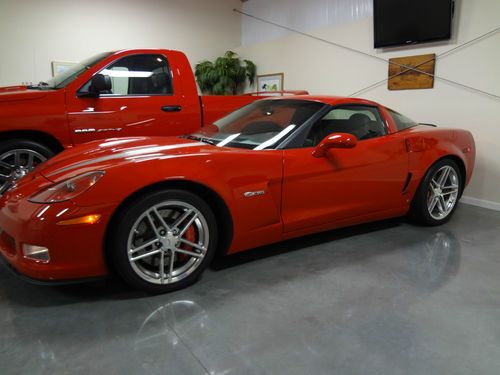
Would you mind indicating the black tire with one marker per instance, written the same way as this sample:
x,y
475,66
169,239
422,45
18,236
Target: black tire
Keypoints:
x,y
40,152
128,218
13,144
419,210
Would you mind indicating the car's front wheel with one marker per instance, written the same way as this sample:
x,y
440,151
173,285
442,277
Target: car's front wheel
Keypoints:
x,y
438,194
163,241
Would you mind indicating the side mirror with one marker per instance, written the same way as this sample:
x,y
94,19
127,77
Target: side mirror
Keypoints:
x,y
335,140
98,84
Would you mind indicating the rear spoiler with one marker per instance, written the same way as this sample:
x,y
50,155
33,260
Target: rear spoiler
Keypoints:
x,y
278,93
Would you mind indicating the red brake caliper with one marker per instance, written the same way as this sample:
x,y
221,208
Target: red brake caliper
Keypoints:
x,y
190,235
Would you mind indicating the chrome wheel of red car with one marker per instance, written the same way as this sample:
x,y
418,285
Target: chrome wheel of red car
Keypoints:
x,y
443,192
17,158
168,242
163,240
438,194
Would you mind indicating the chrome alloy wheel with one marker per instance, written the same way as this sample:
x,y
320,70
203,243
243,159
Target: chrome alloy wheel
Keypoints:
x,y
15,164
168,242
443,192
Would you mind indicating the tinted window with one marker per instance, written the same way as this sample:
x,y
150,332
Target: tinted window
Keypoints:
x,y
361,121
263,124
402,122
138,75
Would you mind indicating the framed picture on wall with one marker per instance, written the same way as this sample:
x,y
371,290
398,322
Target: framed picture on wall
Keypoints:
x,y
61,66
270,82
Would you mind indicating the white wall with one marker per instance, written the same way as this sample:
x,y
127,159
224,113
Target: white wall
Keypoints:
x,y
325,69
298,14
35,32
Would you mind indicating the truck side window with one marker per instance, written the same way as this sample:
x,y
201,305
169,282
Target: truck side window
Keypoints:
x,y
138,75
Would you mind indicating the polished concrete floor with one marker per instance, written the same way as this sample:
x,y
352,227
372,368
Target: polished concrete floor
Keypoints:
x,y
386,298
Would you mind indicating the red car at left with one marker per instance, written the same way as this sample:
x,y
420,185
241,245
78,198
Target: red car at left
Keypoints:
x,y
134,92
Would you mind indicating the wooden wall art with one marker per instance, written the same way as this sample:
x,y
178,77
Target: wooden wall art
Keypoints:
x,y
406,79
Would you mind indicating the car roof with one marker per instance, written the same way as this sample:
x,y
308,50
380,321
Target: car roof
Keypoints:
x,y
332,100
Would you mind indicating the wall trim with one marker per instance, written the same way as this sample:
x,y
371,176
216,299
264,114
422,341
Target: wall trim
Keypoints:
x,y
481,203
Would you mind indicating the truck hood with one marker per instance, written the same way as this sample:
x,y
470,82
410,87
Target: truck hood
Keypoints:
x,y
112,153
17,93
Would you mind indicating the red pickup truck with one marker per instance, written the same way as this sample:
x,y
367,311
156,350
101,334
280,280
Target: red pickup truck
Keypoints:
x,y
138,92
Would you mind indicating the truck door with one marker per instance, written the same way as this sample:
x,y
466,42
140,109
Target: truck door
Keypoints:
x,y
146,99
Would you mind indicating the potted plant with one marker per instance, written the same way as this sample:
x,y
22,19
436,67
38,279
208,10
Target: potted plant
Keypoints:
x,y
225,76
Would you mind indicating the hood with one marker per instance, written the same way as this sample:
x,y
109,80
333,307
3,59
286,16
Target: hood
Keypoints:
x,y
16,93
13,88
112,153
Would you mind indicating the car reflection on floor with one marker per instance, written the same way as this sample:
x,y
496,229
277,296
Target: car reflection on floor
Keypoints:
x,y
64,327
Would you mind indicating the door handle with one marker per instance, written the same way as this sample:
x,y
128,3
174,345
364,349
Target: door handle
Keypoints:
x,y
171,108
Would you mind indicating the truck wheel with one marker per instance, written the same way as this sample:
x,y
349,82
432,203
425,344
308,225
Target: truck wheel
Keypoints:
x,y
19,156
163,241
438,194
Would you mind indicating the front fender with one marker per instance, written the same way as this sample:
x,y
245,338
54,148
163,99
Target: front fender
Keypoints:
x,y
42,112
248,182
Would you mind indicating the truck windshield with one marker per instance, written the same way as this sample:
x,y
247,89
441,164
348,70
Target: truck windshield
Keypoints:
x,y
260,125
64,78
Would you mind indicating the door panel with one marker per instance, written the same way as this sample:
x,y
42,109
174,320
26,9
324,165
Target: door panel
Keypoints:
x,y
345,183
143,101
105,117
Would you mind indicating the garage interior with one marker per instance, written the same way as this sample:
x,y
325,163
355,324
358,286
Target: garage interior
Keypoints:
x,y
379,298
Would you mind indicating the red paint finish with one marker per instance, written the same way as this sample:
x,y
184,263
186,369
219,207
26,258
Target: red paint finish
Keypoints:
x,y
40,111
337,140
302,193
69,120
345,183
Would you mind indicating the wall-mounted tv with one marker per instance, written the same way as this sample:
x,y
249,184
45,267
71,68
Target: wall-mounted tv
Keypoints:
x,y
400,22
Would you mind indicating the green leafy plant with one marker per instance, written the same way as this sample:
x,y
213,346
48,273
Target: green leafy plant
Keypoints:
x,y
225,76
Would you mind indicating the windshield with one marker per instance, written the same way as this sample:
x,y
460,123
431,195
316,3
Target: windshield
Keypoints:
x,y
261,125
64,78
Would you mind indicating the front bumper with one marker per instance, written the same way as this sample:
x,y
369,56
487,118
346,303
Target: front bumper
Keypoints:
x,y
30,280
76,251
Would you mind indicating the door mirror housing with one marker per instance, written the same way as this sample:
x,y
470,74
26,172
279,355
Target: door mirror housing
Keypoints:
x,y
335,140
98,84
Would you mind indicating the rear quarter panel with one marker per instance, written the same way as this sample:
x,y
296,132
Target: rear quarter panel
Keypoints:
x,y
426,145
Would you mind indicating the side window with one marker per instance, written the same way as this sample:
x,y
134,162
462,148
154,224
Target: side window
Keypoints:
x,y
402,122
363,122
138,75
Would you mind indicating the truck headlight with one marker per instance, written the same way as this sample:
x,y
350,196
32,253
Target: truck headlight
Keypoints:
x,y
67,189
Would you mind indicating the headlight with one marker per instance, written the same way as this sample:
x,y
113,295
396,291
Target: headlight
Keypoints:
x,y
68,189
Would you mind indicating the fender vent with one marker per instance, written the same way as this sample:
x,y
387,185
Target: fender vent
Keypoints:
x,y
408,179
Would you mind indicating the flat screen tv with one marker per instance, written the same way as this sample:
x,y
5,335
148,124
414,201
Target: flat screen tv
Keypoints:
x,y
400,22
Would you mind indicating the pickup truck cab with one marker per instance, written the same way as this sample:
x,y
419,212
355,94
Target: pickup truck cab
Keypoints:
x,y
140,92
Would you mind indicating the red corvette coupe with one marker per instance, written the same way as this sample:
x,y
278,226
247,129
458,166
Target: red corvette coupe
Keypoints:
x,y
156,210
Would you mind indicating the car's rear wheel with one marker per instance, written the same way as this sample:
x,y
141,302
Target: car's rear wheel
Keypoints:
x,y
438,194
164,241
18,157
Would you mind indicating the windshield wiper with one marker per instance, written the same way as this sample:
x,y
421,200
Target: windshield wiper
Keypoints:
x,y
200,139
